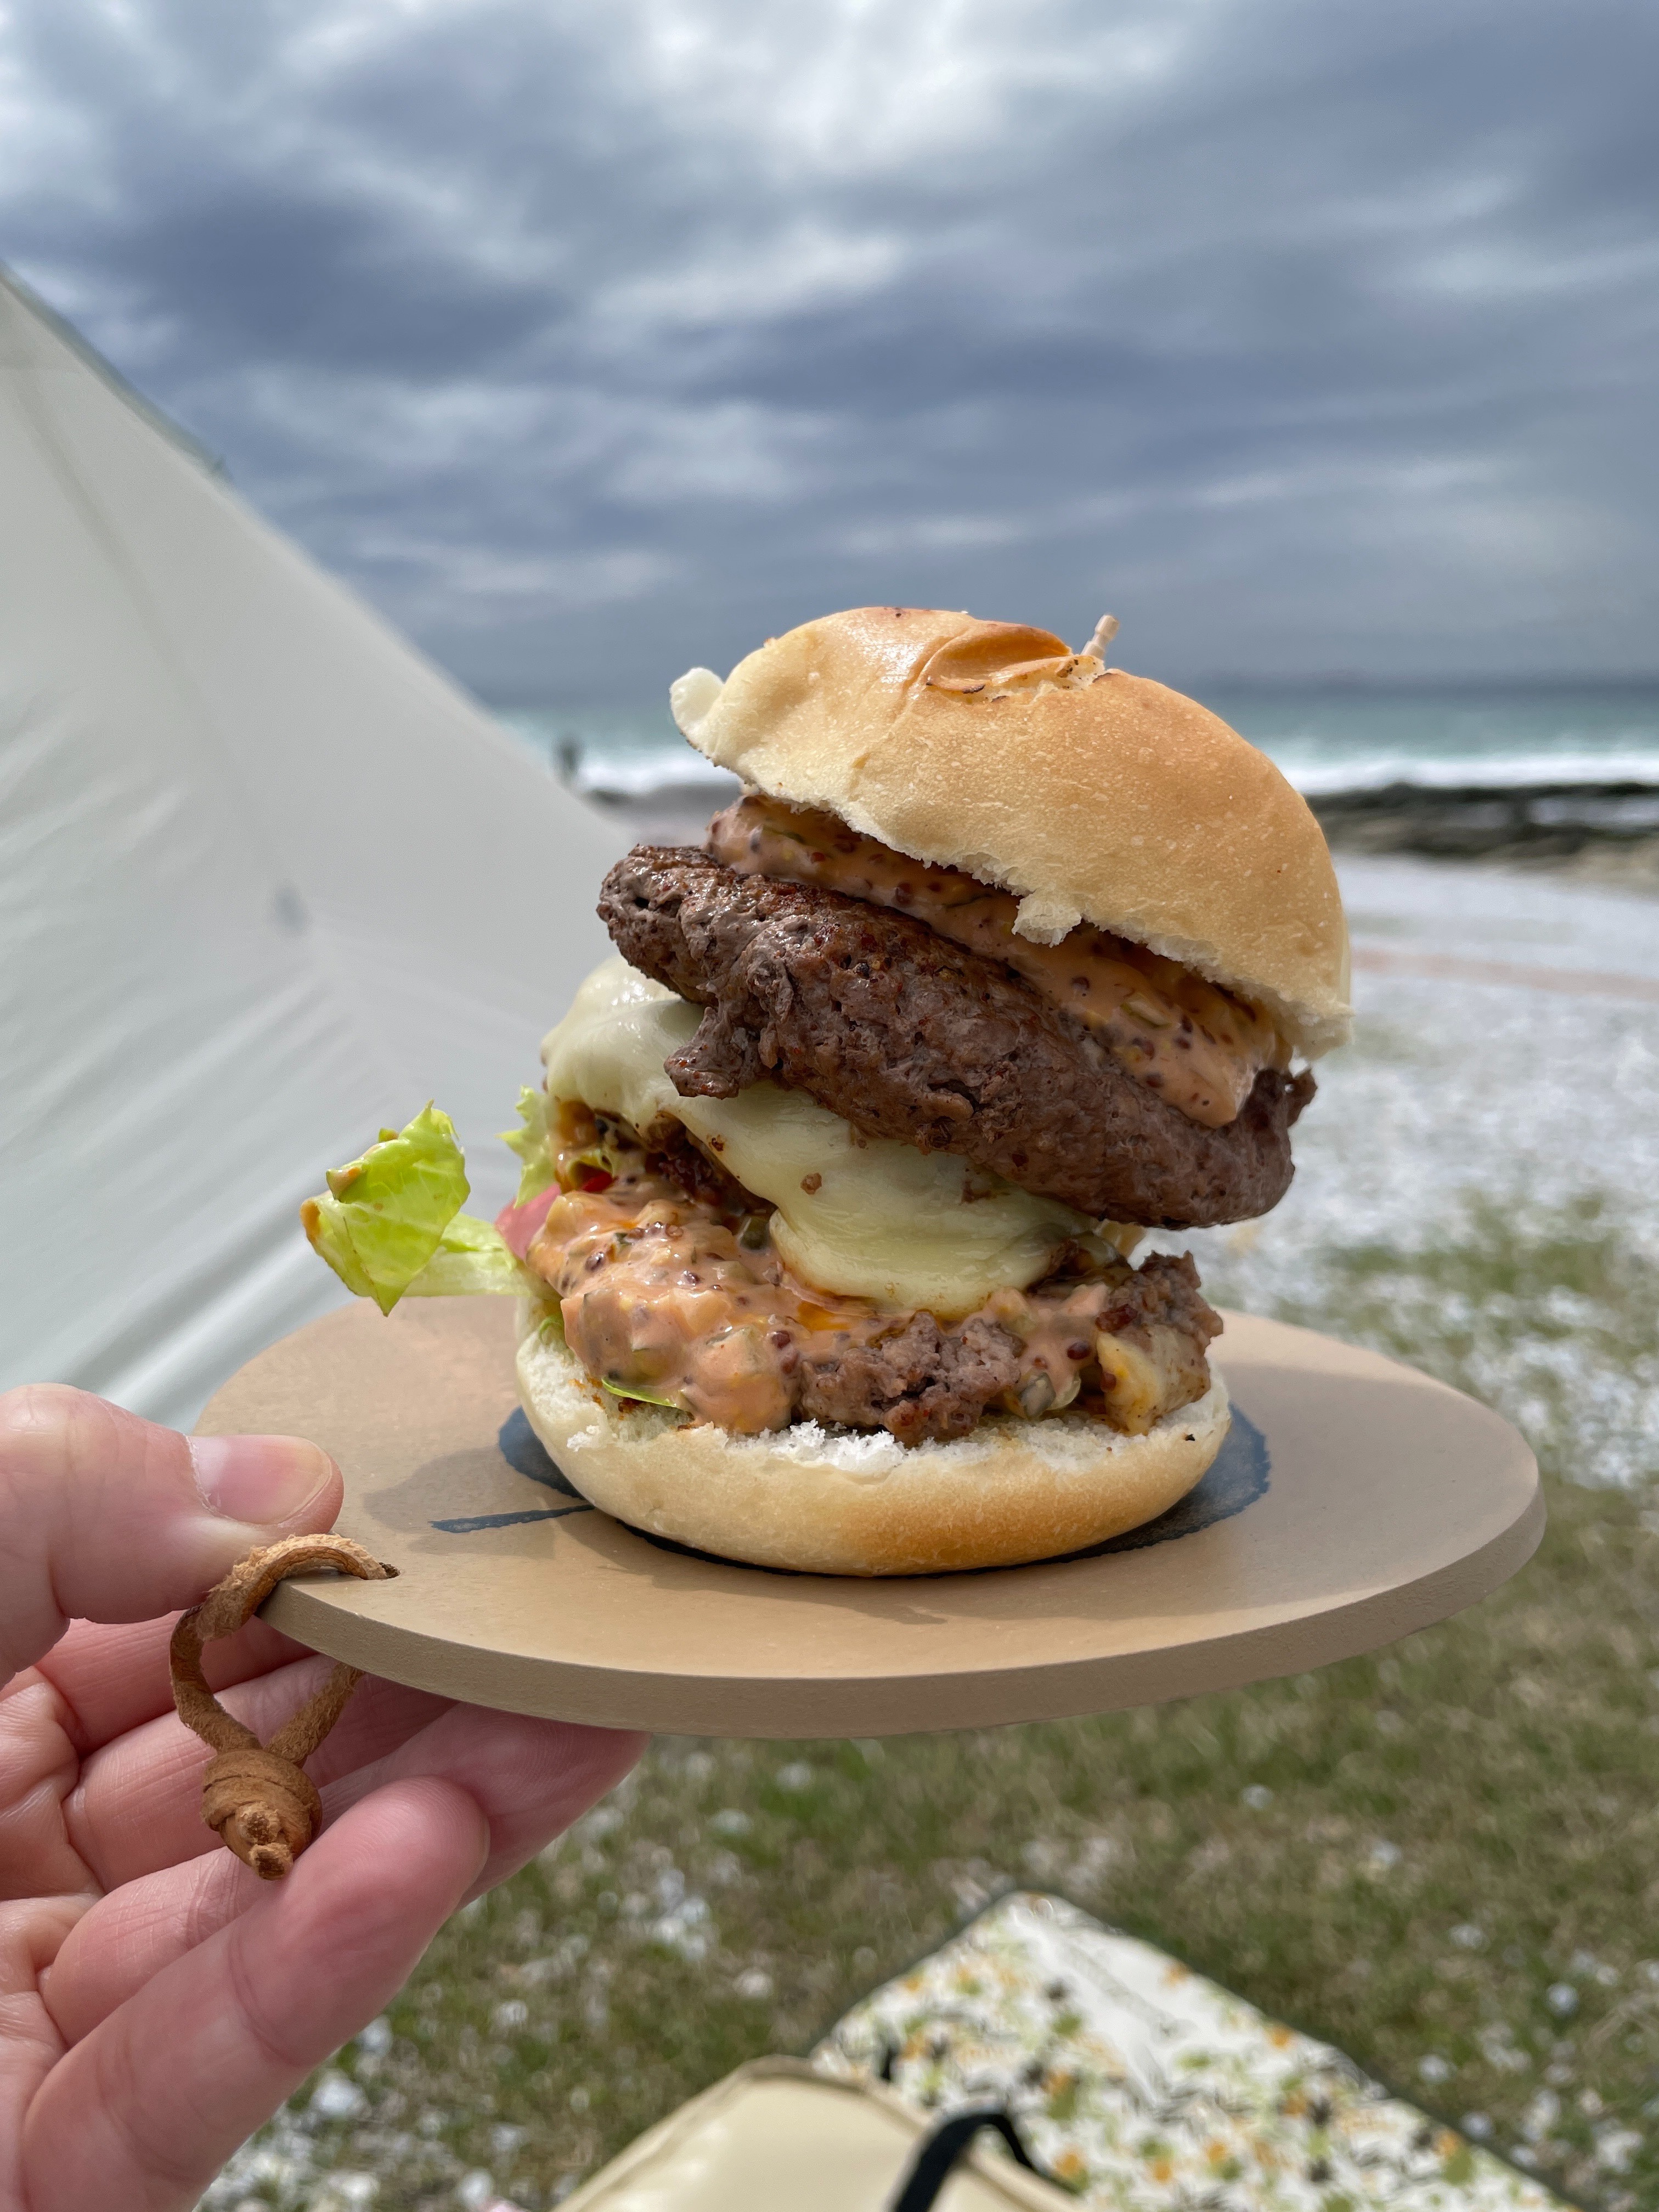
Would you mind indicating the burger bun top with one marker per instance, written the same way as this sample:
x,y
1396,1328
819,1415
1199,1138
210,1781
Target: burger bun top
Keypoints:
x,y
1094,795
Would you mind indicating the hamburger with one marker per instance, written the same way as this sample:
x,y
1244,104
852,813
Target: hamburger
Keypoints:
x,y
826,1235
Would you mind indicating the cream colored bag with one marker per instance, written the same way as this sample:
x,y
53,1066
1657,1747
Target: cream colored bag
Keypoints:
x,y
776,2137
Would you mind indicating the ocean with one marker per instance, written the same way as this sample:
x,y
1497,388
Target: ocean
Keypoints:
x,y
1328,742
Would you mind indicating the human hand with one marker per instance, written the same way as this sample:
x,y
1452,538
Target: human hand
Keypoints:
x,y
157,2001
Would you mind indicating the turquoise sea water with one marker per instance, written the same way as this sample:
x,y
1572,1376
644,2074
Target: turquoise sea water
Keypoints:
x,y
1324,741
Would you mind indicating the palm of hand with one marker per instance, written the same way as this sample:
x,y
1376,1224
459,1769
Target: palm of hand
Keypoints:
x,y
157,2002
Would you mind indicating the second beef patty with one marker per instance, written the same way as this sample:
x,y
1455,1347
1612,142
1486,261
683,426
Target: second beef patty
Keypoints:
x,y
906,1034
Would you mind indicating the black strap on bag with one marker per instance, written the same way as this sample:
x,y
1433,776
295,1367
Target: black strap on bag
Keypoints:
x,y
951,2141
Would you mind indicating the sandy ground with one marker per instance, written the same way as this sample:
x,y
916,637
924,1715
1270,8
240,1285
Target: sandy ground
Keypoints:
x,y
1507,1051
1507,1039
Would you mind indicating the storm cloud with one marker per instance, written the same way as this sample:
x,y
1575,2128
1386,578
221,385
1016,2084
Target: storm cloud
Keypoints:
x,y
590,343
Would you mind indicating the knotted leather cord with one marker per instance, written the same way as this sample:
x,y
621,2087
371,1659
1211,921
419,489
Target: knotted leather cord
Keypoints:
x,y
257,1798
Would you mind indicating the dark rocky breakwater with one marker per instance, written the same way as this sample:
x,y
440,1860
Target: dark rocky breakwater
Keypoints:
x,y
1602,832
1605,829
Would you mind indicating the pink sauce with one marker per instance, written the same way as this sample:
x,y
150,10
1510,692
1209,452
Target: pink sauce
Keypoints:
x,y
1193,1042
682,1302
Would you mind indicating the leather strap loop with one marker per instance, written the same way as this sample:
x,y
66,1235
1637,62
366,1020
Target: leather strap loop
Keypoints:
x,y
257,1798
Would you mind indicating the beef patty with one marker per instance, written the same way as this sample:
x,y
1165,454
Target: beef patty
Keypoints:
x,y
906,1034
924,1382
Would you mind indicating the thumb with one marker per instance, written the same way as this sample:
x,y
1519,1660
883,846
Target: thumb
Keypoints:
x,y
106,1517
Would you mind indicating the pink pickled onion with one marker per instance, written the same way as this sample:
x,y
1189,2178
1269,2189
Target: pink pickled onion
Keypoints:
x,y
520,1224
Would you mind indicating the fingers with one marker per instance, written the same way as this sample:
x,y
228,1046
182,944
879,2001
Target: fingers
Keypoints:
x,y
530,1779
137,1805
70,1822
145,2110
135,1933
109,1679
110,1518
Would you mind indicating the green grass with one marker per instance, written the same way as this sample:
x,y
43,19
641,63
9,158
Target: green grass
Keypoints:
x,y
1553,1317
1570,1278
1458,1860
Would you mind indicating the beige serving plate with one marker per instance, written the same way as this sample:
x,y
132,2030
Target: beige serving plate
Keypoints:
x,y
1355,1501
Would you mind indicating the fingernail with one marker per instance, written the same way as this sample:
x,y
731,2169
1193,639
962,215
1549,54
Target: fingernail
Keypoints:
x,y
259,1478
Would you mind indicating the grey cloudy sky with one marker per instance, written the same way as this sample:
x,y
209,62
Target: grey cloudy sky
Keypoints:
x,y
593,341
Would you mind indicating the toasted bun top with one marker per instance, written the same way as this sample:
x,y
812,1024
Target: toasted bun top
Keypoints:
x,y
1094,795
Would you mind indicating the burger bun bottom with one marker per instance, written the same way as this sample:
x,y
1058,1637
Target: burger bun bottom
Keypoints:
x,y
839,1502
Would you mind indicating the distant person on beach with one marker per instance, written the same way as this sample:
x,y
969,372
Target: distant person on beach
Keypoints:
x,y
157,2002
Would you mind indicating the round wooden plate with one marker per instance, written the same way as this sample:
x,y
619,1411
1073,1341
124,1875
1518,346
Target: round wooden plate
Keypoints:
x,y
1355,1501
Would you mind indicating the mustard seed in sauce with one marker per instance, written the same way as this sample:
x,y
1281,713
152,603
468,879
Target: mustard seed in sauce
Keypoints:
x,y
1209,1084
721,1339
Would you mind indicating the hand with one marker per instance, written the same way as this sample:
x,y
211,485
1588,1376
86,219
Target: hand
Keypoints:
x,y
157,2001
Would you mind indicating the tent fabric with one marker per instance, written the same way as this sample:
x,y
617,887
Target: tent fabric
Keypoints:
x,y
268,881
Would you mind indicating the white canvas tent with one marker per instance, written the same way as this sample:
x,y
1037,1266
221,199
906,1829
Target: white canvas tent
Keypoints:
x,y
268,879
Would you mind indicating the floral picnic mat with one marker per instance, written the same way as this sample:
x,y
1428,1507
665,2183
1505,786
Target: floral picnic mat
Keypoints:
x,y
1144,2088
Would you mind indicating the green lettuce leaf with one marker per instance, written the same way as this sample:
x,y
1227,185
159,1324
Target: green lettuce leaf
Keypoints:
x,y
530,1143
645,1397
390,1223
472,1257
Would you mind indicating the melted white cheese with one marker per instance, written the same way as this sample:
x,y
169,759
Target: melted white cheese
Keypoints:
x,y
886,1221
